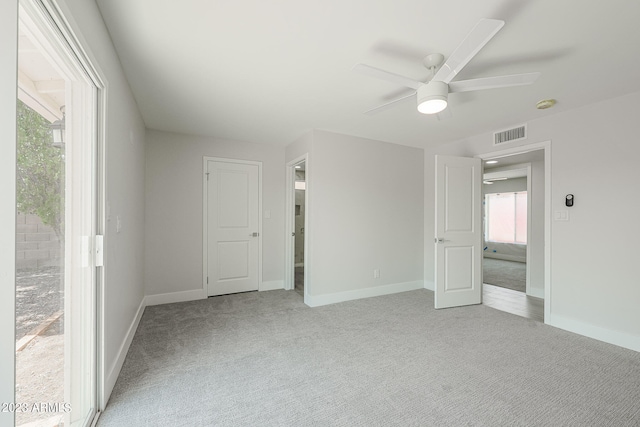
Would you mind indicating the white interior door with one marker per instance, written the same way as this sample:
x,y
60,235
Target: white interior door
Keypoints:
x,y
233,227
458,274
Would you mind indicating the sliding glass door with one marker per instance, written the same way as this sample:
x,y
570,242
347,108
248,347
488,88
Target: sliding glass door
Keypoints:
x,y
56,204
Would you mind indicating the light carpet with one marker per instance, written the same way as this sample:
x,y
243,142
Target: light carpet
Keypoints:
x,y
266,359
506,274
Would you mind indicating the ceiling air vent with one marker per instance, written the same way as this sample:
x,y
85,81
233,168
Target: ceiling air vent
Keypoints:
x,y
510,135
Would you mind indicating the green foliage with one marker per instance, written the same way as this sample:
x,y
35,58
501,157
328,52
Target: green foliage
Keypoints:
x,y
40,170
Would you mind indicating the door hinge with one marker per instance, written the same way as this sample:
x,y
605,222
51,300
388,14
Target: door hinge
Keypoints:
x,y
207,280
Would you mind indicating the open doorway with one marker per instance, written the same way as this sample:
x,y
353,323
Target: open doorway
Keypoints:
x,y
506,224
515,199
297,250
300,187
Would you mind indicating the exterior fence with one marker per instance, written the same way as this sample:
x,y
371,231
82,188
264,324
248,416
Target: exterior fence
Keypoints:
x,y
36,244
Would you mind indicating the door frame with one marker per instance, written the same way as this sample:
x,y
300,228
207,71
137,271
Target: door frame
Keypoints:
x,y
545,146
205,222
289,270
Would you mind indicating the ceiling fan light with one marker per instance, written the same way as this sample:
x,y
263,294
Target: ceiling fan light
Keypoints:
x,y
432,97
432,106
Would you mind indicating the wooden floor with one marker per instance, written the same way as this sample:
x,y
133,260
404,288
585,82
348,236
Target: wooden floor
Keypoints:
x,y
513,302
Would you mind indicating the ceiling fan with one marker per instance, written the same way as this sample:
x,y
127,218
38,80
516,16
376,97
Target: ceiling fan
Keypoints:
x,y
432,96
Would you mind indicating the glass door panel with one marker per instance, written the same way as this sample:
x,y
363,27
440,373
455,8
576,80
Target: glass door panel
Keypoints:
x,y
55,202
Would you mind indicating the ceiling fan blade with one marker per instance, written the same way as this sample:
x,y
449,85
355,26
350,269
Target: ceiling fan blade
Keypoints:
x,y
386,75
388,105
493,82
479,36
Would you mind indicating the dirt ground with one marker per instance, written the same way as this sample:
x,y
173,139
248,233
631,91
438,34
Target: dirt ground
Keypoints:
x,y
40,365
39,294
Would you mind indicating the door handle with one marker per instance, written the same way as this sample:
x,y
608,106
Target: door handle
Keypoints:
x,y
254,234
440,240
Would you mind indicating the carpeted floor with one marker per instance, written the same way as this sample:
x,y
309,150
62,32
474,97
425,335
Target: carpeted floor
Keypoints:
x,y
506,274
265,359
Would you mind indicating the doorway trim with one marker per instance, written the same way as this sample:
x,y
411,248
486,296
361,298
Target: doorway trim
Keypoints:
x,y
205,223
523,149
289,270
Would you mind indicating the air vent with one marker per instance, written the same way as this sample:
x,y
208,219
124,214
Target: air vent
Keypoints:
x,y
510,135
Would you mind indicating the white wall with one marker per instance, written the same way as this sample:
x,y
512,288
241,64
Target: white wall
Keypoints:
x,y
366,210
174,176
8,96
594,285
299,147
535,242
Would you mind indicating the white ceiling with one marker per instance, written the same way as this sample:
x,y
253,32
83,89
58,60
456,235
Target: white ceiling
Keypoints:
x,y
268,71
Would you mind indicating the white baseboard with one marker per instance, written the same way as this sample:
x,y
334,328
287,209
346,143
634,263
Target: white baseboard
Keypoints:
x,y
536,292
319,300
114,371
271,285
172,297
429,284
620,339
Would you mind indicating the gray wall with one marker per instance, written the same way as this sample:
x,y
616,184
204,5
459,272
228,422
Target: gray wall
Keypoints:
x,y
594,285
365,212
174,176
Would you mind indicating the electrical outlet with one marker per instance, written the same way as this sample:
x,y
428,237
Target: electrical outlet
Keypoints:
x,y
376,273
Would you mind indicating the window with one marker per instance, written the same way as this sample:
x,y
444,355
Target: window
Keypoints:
x,y
506,217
